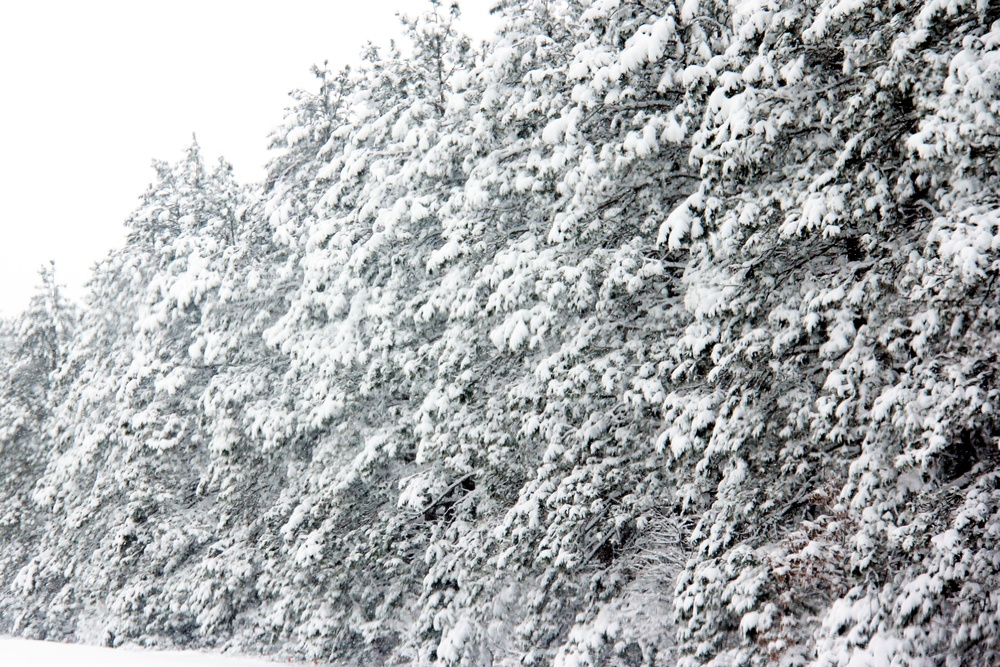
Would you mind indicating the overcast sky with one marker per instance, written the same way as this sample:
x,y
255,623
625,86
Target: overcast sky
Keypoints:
x,y
93,91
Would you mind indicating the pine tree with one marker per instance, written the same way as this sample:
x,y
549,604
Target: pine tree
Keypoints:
x,y
33,349
651,332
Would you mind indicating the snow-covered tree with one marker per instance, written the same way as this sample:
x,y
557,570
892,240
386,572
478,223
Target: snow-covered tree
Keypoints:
x,y
649,333
33,347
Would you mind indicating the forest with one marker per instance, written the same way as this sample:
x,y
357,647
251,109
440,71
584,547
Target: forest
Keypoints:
x,y
648,332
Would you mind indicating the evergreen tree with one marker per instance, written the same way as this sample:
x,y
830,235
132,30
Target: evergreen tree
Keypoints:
x,y
650,333
33,348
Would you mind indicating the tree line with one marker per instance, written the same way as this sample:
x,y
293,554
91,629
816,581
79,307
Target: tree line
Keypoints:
x,y
644,333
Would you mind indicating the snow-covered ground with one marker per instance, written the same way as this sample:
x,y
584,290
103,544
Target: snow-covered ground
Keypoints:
x,y
24,653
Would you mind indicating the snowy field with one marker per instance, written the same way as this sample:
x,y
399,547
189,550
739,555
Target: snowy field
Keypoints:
x,y
24,653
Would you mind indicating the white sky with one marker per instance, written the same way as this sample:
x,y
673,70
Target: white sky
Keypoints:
x,y
93,91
